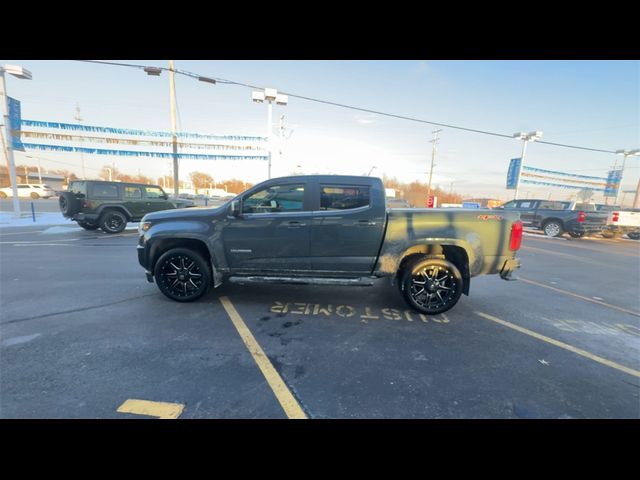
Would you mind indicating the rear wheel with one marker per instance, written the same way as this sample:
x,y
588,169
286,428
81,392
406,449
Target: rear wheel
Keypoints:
x,y
182,275
552,229
609,234
634,235
431,285
34,195
113,221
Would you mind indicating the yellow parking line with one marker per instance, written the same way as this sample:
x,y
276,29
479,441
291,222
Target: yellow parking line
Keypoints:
x,y
153,409
566,346
288,402
575,295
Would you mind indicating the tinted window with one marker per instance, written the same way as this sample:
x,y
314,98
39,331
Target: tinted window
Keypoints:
x,y
278,198
526,204
334,197
511,204
154,192
549,205
132,192
103,190
79,188
23,186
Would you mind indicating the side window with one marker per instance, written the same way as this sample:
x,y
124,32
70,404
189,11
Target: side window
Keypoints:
x,y
525,204
334,197
153,192
104,190
511,204
24,187
79,188
132,192
277,198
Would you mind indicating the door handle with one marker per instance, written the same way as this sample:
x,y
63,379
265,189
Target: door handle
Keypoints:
x,y
294,224
365,223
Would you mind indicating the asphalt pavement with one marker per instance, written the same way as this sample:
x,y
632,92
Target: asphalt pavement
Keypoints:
x,y
83,335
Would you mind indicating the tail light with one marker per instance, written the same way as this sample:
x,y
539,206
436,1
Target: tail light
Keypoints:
x,y
615,216
581,216
516,235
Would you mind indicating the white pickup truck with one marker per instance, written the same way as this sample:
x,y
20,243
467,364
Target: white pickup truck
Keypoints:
x,y
620,222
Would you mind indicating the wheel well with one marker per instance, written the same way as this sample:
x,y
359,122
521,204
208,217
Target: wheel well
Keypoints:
x,y
454,254
161,246
118,209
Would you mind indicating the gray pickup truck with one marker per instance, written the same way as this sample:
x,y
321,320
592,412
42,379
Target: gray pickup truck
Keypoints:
x,y
327,230
556,217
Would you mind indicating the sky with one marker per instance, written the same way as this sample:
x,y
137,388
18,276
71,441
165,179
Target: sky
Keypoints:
x,y
588,103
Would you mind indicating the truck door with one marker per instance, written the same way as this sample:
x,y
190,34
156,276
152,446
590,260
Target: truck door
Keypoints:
x,y
347,229
527,209
272,233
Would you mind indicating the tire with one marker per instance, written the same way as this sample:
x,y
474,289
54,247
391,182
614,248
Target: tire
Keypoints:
x,y
431,285
113,221
88,226
576,234
3,195
634,235
552,229
34,195
182,275
609,234
69,204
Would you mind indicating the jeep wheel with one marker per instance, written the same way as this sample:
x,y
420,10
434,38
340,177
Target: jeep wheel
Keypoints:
x,y
431,285
552,229
113,221
34,195
182,275
69,204
88,226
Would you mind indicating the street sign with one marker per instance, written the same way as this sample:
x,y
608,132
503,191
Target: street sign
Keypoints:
x,y
513,173
470,205
613,183
432,201
14,124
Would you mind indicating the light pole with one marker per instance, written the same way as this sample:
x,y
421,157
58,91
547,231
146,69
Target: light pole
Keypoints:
x,y
525,137
110,177
39,168
625,154
434,141
23,74
269,94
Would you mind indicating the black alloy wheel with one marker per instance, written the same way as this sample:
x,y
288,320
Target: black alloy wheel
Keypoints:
x,y
113,222
182,275
432,285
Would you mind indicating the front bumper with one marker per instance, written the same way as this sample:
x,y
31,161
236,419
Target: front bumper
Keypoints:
x,y
144,261
510,265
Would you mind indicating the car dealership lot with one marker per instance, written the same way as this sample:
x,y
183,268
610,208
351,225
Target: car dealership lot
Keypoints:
x,y
83,332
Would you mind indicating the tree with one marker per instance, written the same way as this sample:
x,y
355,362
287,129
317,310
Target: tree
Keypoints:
x,y
201,180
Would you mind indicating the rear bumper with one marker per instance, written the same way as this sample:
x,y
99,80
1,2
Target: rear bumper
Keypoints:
x,y
510,265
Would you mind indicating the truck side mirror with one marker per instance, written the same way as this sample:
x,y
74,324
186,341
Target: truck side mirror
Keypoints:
x,y
234,209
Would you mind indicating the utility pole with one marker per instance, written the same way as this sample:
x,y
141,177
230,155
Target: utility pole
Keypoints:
x,y
174,137
78,119
434,141
636,199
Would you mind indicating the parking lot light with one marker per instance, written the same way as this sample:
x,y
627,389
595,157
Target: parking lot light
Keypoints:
x,y
525,137
625,154
270,95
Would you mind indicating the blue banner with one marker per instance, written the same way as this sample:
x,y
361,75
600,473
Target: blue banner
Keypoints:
x,y
470,205
613,183
549,184
513,173
553,172
14,124
128,153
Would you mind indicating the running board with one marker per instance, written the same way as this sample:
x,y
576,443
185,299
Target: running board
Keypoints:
x,y
355,282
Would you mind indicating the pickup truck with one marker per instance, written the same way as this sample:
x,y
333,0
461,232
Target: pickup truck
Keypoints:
x,y
327,230
620,222
555,218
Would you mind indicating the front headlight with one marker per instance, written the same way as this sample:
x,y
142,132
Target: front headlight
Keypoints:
x,y
143,227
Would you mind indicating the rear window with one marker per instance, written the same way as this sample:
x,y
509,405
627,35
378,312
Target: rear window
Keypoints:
x,y
343,197
550,205
103,190
586,207
79,188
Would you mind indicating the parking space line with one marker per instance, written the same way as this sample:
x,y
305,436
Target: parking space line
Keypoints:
x,y
575,295
560,344
162,410
563,254
288,402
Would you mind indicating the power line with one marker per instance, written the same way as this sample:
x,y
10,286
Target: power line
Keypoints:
x,y
360,109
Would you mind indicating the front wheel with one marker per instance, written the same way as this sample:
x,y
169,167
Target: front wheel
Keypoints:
x,y
431,285
182,274
34,195
113,222
552,229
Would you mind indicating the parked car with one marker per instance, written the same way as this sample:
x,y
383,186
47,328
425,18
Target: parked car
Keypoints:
x,y
110,205
297,230
620,222
555,218
397,203
29,190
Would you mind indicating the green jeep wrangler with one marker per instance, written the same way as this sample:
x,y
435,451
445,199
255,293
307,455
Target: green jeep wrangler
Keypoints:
x,y
110,205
